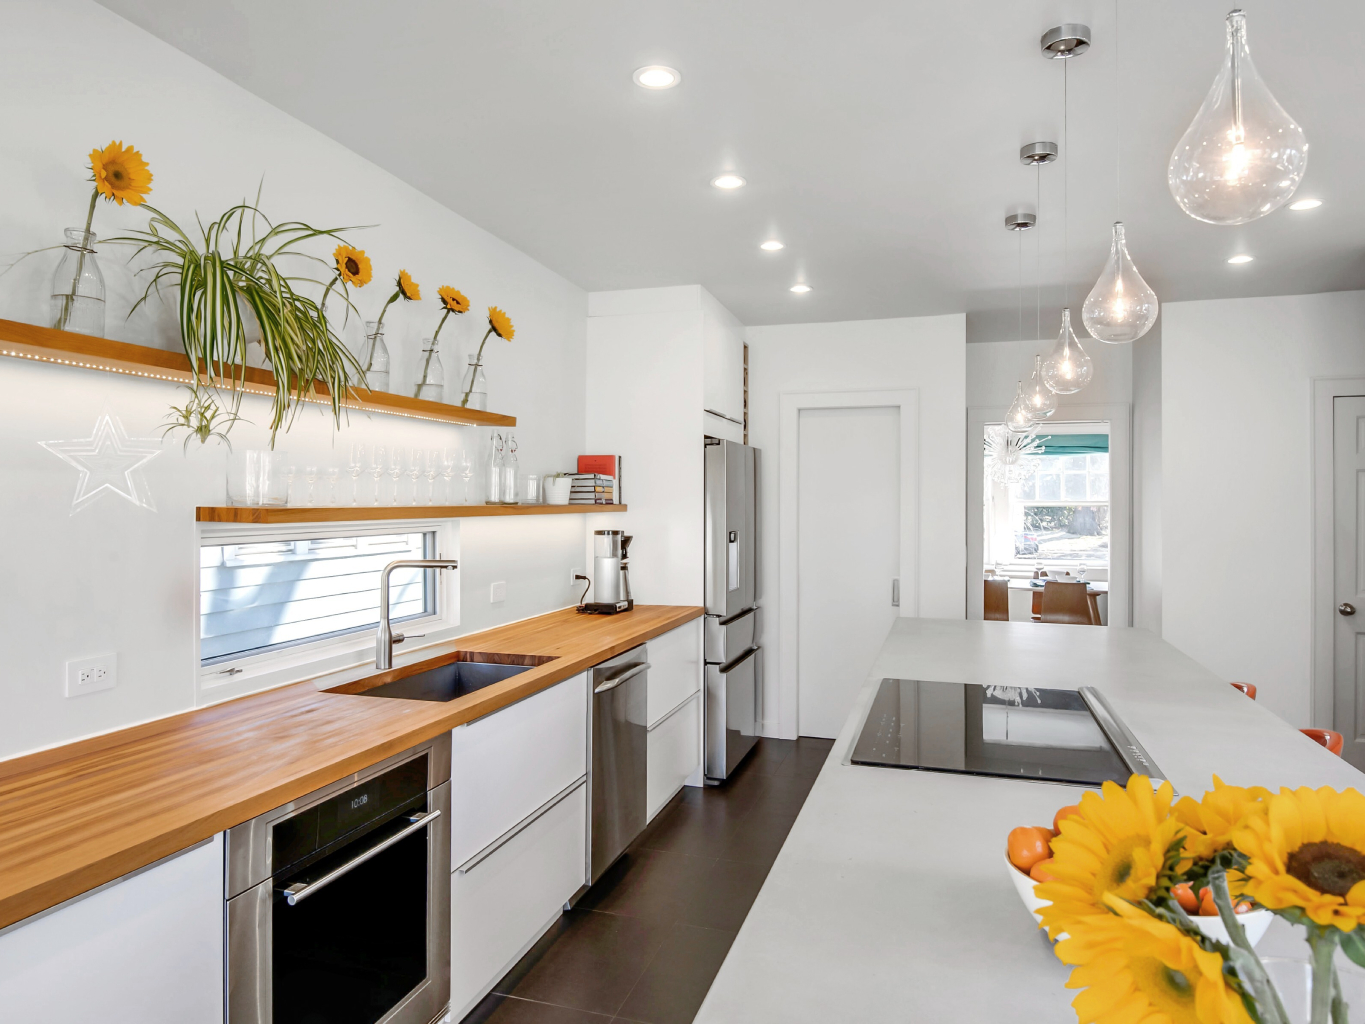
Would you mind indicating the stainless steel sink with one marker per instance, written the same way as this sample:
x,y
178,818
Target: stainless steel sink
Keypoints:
x,y
447,682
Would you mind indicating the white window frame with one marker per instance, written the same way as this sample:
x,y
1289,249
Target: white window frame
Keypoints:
x,y
314,659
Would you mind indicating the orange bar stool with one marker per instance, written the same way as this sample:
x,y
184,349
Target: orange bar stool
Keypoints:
x,y
1329,738
1248,688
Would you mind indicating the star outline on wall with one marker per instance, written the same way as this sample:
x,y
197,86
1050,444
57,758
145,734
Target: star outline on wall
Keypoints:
x,y
108,461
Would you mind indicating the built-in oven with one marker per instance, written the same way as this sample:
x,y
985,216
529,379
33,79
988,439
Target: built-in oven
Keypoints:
x,y
338,904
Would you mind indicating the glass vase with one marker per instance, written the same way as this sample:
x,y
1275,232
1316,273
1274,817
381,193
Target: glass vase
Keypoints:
x,y
258,477
474,387
78,286
431,385
375,359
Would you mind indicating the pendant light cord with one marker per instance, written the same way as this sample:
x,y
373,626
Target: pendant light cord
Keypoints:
x,y
1118,132
1037,251
1066,194
1021,284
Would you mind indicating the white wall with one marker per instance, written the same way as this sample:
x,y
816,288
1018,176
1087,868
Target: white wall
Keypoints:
x,y
1236,501
1147,481
119,578
923,353
995,367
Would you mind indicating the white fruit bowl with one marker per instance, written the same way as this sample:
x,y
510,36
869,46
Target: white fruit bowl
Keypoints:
x,y
1254,922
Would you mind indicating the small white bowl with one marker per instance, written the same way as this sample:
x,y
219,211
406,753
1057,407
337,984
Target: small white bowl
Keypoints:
x,y
1254,922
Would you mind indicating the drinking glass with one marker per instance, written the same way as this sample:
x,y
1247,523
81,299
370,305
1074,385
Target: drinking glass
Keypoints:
x,y
414,469
310,473
289,485
395,469
433,467
333,474
355,467
377,465
1080,571
466,472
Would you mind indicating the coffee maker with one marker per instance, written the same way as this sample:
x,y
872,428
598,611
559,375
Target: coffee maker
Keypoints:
x,y
611,574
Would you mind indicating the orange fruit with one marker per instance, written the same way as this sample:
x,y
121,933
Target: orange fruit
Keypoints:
x,y
1069,811
1243,907
1206,904
1183,893
1027,845
1042,871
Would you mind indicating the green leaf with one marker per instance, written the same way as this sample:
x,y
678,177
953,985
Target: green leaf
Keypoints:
x,y
1353,945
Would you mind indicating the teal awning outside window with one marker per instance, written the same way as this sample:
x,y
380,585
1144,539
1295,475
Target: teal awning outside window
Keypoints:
x,y
1074,444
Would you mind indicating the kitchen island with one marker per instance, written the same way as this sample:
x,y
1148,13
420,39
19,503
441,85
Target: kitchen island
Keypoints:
x,y
890,899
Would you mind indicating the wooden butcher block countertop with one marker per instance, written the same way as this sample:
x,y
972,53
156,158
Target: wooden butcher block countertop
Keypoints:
x,y
83,814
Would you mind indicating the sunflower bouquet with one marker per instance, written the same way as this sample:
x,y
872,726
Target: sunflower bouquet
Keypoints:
x,y
452,301
1133,884
499,323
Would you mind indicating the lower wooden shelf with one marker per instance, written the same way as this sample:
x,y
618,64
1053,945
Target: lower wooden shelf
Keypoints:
x,y
369,513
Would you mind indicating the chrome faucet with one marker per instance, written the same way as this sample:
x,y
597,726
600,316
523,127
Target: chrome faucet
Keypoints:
x,y
386,637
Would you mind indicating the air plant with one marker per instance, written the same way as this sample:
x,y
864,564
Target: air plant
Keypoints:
x,y
202,417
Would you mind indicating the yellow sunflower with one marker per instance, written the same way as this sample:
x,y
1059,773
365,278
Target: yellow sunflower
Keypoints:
x,y
1211,820
1134,967
410,288
452,299
353,266
1308,851
500,323
120,173
1116,844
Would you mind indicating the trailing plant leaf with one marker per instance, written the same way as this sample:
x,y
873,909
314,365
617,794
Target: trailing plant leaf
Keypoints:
x,y
202,417
1353,945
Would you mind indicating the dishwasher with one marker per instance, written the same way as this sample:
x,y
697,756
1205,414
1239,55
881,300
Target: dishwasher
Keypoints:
x,y
620,762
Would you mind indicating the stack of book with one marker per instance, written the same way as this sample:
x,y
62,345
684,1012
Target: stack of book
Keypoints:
x,y
592,489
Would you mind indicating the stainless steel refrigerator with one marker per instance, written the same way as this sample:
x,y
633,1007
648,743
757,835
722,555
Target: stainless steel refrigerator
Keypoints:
x,y
734,662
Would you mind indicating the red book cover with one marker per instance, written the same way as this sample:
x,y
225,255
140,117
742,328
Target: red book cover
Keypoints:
x,y
607,465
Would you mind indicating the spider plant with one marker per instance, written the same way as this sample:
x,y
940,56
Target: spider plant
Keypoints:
x,y
201,417
229,269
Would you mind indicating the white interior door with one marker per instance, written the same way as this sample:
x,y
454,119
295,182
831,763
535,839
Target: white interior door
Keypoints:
x,y
1348,485
848,553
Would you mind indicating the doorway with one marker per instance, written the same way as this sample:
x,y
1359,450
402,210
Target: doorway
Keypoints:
x,y
848,555
1348,582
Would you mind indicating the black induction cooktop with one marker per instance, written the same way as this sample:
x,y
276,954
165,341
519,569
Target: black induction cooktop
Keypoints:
x,y
1013,732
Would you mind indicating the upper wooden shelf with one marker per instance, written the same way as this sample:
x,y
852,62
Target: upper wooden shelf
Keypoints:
x,y
27,341
361,513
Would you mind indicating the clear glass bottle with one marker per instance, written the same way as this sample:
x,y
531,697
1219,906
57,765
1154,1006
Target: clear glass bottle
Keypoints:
x,y
509,471
1121,307
375,360
474,387
1242,156
1067,368
495,467
78,286
431,385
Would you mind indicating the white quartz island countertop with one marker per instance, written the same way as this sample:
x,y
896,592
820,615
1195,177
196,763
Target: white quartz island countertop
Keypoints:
x,y
890,899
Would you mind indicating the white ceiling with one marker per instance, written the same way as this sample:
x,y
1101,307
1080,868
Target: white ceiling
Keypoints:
x,y
879,138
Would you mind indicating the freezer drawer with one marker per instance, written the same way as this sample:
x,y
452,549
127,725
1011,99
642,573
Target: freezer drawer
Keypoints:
x,y
731,713
728,638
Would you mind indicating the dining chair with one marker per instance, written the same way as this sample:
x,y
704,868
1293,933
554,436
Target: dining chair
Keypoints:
x,y
1067,602
1329,738
1248,688
997,600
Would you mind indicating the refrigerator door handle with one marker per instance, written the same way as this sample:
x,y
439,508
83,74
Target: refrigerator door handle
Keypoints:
x,y
732,561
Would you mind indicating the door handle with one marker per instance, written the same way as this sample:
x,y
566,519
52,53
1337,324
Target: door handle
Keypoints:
x,y
299,891
1346,608
616,681
895,593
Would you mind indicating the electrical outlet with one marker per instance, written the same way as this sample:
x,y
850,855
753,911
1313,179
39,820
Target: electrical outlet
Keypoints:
x,y
90,675
574,581
497,592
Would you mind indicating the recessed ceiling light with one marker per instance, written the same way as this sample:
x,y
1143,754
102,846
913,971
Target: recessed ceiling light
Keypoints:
x,y
800,289
772,245
728,180
656,76
1241,258
1306,204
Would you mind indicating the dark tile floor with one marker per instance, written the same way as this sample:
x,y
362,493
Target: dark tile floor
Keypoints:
x,y
645,942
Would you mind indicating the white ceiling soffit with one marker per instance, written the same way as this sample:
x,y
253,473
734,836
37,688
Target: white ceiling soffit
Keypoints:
x,y
879,138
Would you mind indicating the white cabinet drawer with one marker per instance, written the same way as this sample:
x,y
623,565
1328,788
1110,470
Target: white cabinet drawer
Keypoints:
x,y
674,669
500,906
505,766
674,753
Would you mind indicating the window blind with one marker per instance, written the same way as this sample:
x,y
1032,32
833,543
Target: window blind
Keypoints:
x,y
1075,444
255,597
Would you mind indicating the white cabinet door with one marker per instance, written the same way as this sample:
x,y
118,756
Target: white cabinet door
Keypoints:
x,y
674,752
723,367
674,669
501,905
148,948
506,766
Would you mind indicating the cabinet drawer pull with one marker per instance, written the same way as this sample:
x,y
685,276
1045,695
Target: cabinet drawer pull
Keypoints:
x,y
520,827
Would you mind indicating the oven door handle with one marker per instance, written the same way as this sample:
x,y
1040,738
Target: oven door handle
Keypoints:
x,y
302,890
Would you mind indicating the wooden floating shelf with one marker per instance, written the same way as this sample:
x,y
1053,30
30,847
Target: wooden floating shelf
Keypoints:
x,y
366,513
27,341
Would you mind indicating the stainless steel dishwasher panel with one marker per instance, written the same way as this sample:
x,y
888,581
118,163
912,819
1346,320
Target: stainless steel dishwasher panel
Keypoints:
x,y
620,761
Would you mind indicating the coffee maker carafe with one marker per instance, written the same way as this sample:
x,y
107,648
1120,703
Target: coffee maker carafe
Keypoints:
x,y
610,579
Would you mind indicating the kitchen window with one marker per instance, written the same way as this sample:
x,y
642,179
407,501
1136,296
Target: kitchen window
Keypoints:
x,y
261,596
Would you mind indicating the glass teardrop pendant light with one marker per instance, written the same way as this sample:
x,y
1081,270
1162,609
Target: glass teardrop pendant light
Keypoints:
x,y
1042,401
1121,307
1067,368
1019,419
1242,156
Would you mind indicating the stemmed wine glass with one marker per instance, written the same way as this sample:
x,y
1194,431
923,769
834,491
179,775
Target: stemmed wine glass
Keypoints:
x,y
395,469
333,474
289,485
377,469
433,467
447,474
414,469
310,473
466,472
355,467
1080,571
